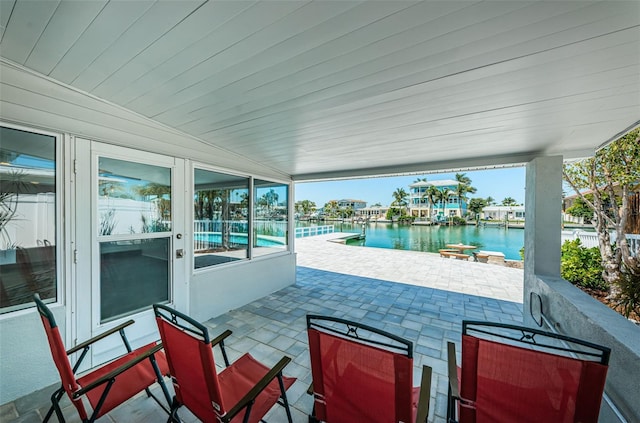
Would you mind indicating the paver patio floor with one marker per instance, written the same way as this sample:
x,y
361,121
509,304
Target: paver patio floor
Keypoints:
x,y
419,296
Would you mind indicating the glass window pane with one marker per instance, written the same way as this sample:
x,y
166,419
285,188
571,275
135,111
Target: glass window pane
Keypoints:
x,y
27,218
133,198
133,275
271,211
221,209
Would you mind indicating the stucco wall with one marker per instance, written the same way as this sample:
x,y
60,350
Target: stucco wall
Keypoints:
x,y
25,357
219,290
572,312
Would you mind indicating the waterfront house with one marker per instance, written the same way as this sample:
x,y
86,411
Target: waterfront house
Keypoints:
x,y
202,115
373,213
354,205
441,209
503,213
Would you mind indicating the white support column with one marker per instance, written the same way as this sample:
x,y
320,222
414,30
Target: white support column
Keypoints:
x,y
543,200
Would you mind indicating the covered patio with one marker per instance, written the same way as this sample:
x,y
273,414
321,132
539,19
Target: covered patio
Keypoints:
x,y
183,99
419,296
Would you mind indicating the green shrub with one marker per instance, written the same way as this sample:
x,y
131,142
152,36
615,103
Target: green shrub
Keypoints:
x,y
628,297
459,220
582,266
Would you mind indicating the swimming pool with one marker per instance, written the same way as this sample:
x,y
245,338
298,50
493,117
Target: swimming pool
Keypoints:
x,y
236,239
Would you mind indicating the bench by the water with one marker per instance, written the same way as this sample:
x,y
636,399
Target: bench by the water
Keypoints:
x,y
453,253
488,256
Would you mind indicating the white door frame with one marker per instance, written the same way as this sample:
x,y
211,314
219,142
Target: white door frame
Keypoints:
x,y
86,287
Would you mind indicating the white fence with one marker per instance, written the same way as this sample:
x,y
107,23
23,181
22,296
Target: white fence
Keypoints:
x,y
313,230
590,239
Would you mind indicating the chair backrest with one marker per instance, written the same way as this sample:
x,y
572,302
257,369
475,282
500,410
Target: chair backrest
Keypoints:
x,y
360,373
511,373
59,354
191,364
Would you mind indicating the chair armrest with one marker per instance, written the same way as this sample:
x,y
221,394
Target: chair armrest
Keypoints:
x,y
425,395
220,337
219,340
99,337
258,388
117,371
453,370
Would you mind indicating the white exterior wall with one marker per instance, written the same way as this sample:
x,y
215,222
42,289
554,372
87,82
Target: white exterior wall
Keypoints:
x,y
39,208
39,103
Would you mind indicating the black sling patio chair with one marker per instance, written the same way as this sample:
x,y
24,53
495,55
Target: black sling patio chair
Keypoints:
x,y
363,374
244,391
108,386
516,374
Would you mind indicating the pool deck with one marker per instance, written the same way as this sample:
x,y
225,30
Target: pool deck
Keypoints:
x,y
420,296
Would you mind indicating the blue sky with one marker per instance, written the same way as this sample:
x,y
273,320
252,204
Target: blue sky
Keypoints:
x,y
497,183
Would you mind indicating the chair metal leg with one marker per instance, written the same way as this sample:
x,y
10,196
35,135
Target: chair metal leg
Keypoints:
x,y
55,400
173,414
163,386
283,396
248,412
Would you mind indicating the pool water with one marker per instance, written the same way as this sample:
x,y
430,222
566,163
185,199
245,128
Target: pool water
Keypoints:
x,y
237,239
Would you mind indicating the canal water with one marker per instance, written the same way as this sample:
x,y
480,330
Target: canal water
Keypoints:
x,y
432,238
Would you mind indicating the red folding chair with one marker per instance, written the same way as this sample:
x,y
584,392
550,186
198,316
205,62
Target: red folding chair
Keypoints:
x,y
108,386
363,374
516,374
244,391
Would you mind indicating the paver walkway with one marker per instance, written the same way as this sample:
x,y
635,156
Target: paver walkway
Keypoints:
x,y
419,296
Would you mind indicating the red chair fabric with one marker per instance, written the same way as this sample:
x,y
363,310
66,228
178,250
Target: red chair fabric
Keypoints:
x,y
61,361
242,375
525,375
508,383
126,383
198,386
356,380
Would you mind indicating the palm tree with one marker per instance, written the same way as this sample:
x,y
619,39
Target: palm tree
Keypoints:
x,y
490,201
272,198
443,196
161,194
461,194
508,201
348,212
463,179
400,197
432,194
305,207
463,187
331,208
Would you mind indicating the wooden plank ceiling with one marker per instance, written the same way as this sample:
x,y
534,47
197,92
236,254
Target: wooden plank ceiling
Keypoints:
x,y
320,89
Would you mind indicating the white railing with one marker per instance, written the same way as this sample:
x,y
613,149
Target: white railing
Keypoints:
x,y
590,239
313,231
634,244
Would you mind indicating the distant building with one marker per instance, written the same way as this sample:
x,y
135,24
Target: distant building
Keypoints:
x,y
421,208
354,204
503,213
372,213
